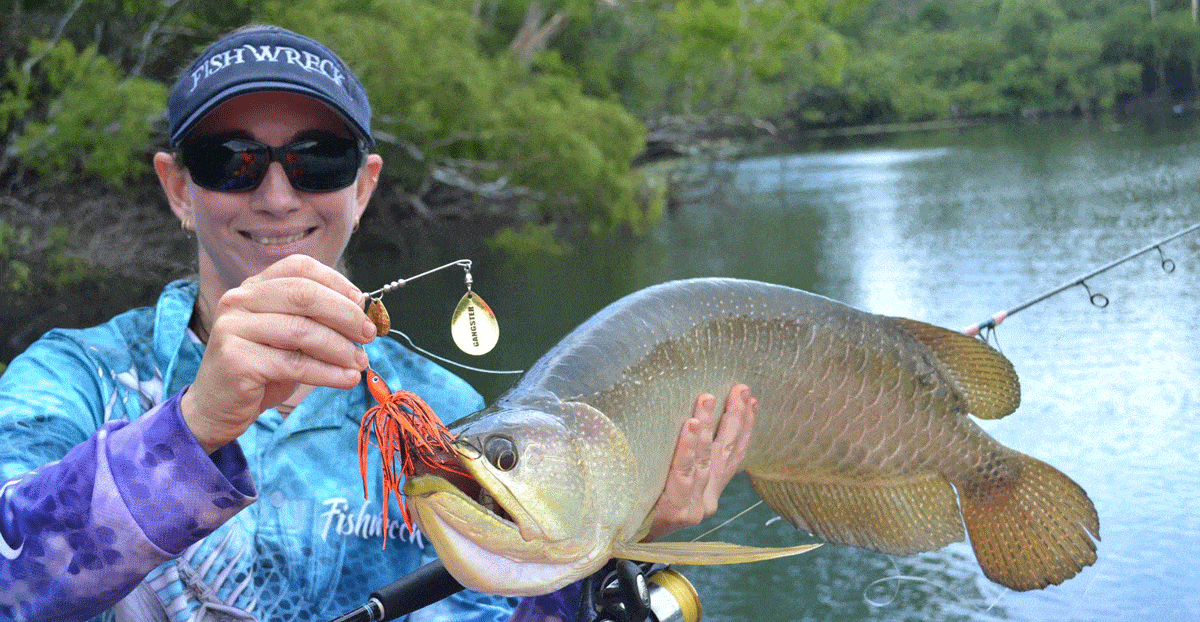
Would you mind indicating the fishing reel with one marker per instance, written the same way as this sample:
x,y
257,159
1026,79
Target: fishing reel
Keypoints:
x,y
625,591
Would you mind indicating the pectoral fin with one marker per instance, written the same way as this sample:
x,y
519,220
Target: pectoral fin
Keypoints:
x,y
703,553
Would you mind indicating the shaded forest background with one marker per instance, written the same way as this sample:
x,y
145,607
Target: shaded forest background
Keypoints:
x,y
537,115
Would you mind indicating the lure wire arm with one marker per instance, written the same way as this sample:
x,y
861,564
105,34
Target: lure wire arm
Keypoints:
x,y
398,283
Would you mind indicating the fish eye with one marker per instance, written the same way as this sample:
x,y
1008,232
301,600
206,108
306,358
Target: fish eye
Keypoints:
x,y
501,452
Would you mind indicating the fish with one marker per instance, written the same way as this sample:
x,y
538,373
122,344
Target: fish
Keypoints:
x,y
863,437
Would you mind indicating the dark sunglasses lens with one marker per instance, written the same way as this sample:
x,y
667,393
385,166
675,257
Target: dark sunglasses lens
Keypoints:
x,y
322,165
226,165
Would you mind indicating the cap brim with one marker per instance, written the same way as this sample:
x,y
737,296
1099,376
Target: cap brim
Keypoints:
x,y
264,86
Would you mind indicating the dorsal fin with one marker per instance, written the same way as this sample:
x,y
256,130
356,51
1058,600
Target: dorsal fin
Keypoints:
x,y
980,374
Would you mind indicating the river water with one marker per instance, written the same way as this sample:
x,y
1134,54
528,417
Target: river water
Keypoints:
x,y
946,228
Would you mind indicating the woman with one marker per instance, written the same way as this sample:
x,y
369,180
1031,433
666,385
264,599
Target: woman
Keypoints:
x,y
195,460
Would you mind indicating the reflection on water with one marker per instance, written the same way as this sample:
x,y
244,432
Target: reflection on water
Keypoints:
x,y
945,228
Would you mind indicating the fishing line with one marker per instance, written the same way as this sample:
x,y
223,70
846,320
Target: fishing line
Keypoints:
x,y
890,599
896,580
735,517
885,600
986,329
454,363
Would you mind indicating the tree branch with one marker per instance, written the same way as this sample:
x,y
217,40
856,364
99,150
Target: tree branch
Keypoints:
x,y
27,66
534,36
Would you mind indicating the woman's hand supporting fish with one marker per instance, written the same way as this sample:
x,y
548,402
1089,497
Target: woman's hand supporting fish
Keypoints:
x,y
705,460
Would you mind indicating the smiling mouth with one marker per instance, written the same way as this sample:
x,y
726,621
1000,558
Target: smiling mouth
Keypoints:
x,y
278,240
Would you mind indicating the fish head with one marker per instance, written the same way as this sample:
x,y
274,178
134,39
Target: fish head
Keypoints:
x,y
536,501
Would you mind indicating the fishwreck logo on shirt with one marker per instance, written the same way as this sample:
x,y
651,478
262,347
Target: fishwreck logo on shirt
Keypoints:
x,y
364,523
268,54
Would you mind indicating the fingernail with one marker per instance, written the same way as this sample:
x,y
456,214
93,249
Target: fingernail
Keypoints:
x,y
368,330
361,358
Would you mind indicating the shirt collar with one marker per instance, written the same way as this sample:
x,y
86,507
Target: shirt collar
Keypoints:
x,y
172,345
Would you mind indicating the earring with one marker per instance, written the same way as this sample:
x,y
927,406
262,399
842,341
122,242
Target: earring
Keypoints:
x,y
355,229
185,226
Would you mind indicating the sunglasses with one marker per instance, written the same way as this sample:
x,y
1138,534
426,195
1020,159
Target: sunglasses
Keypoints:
x,y
232,164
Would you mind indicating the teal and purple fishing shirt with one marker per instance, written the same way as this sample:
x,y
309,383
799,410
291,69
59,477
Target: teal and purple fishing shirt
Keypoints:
x,y
109,508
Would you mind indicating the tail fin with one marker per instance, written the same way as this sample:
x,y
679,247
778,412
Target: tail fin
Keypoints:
x,y
1030,524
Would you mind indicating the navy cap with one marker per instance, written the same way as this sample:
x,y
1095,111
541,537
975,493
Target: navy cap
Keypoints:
x,y
266,58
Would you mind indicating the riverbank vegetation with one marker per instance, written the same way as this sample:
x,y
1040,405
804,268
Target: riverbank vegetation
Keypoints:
x,y
538,113
1011,59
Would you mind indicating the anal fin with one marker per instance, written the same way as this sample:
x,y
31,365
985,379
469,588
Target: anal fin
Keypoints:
x,y
899,516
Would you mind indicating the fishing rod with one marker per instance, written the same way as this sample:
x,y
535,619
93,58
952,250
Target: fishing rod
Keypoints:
x,y
1096,298
418,589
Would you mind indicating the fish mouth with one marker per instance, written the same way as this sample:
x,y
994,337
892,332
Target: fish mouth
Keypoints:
x,y
454,471
486,538
462,478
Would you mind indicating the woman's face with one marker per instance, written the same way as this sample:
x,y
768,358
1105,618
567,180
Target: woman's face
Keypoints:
x,y
240,234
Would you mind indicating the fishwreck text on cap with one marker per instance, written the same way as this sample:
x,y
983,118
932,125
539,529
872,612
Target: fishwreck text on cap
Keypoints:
x,y
266,58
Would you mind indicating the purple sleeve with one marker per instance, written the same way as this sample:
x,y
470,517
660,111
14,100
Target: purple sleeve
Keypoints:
x,y
557,606
78,534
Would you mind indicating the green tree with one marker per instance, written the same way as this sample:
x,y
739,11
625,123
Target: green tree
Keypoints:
x,y
1081,78
720,47
1026,26
96,121
488,125
82,87
912,61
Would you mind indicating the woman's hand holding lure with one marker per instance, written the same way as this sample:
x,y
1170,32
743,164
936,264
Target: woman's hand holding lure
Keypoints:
x,y
297,322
